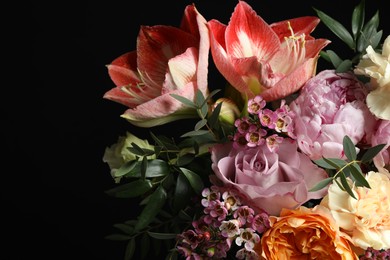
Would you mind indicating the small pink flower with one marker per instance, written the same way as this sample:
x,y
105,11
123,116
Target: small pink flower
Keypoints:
x,y
256,104
268,118
230,228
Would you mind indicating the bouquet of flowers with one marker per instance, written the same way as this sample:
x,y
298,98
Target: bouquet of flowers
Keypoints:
x,y
284,162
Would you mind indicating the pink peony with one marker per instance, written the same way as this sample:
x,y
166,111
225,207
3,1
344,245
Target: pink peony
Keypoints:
x,y
330,106
382,136
270,180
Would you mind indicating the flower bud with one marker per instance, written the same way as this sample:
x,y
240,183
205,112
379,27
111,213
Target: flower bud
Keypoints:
x,y
229,111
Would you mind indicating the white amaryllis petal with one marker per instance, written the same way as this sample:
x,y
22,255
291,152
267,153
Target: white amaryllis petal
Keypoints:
x,y
378,101
377,67
182,69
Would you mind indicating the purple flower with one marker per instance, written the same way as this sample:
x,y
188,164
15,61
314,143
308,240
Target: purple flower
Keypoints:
x,y
269,180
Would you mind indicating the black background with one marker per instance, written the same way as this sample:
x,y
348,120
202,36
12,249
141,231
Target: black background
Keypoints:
x,y
54,205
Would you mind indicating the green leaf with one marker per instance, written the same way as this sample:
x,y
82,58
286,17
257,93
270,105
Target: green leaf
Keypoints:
x,y
162,235
203,111
155,168
346,186
212,93
183,192
371,153
368,32
322,184
335,162
125,228
135,149
130,249
358,175
334,58
213,119
358,18
349,148
195,133
185,159
154,205
337,28
194,179
131,190
323,164
118,237
144,167
199,99
344,66
125,169
184,100
200,124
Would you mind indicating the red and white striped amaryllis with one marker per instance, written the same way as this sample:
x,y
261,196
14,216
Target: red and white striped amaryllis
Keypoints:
x,y
168,60
256,58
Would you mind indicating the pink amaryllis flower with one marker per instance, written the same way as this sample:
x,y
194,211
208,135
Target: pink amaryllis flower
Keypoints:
x,y
257,58
168,60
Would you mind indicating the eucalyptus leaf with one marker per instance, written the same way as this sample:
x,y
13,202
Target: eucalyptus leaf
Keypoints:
x,y
334,58
346,186
349,148
154,205
372,152
358,176
368,32
213,119
337,28
128,229
358,16
162,235
131,190
325,55
199,99
344,66
194,179
201,123
184,100
335,162
130,249
203,111
194,133
322,184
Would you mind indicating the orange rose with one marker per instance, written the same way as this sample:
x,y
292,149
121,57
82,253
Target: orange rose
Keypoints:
x,y
305,233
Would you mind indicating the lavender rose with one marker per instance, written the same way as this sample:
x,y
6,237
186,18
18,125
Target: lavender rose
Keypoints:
x,y
271,180
330,106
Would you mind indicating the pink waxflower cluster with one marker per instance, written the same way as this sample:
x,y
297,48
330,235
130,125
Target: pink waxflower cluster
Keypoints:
x,y
263,125
225,222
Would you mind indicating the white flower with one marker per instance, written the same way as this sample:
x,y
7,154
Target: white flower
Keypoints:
x,y
377,67
365,219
